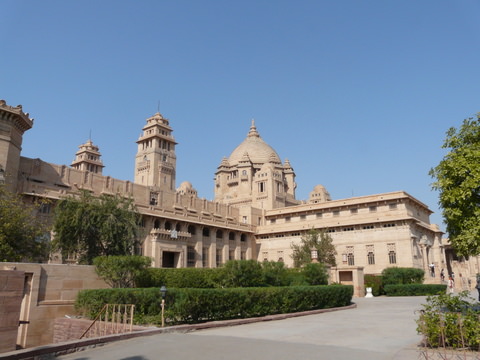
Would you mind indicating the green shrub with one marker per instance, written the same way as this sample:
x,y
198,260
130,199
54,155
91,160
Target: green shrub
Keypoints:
x,y
375,282
315,274
181,278
121,271
398,275
450,321
275,273
242,273
414,289
197,305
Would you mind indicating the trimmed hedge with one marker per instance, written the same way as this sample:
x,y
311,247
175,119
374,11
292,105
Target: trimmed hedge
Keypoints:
x,y
234,273
199,305
414,289
399,275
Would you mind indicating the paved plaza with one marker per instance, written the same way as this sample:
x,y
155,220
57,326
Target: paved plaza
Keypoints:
x,y
377,329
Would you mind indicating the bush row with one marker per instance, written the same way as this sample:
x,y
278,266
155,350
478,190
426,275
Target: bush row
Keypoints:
x,y
237,273
198,305
414,289
394,276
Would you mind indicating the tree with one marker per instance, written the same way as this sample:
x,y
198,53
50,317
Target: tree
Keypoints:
x,y
86,226
457,178
121,271
314,240
23,235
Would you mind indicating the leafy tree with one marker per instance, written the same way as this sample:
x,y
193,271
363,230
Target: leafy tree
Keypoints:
x,y
87,226
23,235
242,273
457,178
315,274
121,271
314,240
274,273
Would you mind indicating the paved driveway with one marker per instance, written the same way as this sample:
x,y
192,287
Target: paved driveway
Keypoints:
x,y
378,329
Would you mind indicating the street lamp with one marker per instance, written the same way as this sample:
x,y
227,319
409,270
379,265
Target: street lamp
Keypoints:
x,y
314,255
163,291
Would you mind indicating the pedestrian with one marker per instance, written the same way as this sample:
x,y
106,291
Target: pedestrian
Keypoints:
x,y
450,285
477,286
432,269
442,275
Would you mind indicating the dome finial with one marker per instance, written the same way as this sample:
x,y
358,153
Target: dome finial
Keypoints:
x,y
253,130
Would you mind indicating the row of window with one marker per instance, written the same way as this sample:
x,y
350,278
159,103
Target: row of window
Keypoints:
x,y
348,257
219,234
335,213
192,256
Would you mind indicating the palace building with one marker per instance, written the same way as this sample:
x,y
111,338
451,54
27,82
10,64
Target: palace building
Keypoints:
x,y
254,214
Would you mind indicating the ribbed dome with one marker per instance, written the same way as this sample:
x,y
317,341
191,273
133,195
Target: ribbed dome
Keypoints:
x,y
258,150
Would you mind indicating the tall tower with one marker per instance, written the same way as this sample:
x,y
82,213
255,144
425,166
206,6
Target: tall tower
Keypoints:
x,y
155,162
13,124
87,158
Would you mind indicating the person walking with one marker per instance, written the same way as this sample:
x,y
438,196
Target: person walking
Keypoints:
x,y
451,285
442,275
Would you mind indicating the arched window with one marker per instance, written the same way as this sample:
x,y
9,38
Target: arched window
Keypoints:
x,y
156,224
243,237
178,227
192,229
206,231
219,234
168,226
231,235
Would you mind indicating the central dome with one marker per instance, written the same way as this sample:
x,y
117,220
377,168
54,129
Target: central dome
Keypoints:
x,y
257,150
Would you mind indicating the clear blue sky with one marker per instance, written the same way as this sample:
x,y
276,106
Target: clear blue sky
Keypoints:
x,y
356,94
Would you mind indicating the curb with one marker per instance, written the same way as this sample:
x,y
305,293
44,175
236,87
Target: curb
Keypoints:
x,y
46,352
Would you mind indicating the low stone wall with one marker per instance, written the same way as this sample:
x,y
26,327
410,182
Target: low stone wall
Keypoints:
x,y
11,293
50,292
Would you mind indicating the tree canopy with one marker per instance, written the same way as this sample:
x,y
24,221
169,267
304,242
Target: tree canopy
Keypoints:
x,y
23,235
457,178
314,240
86,226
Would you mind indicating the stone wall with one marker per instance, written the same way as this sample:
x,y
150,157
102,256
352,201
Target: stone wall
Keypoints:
x,y
11,292
50,292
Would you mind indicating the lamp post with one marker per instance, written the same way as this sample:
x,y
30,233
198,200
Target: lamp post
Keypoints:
x,y
163,291
314,255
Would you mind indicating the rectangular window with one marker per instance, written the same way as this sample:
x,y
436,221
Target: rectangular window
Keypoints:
x,y
392,253
392,257
191,256
265,256
243,255
287,219
261,187
371,258
350,259
392,206
319,215
231,255
303,217
219,257
353,211
372,208
272,221
336,213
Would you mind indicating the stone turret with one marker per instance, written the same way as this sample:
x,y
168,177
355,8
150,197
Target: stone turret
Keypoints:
x,y
13,124
155,162
87,158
